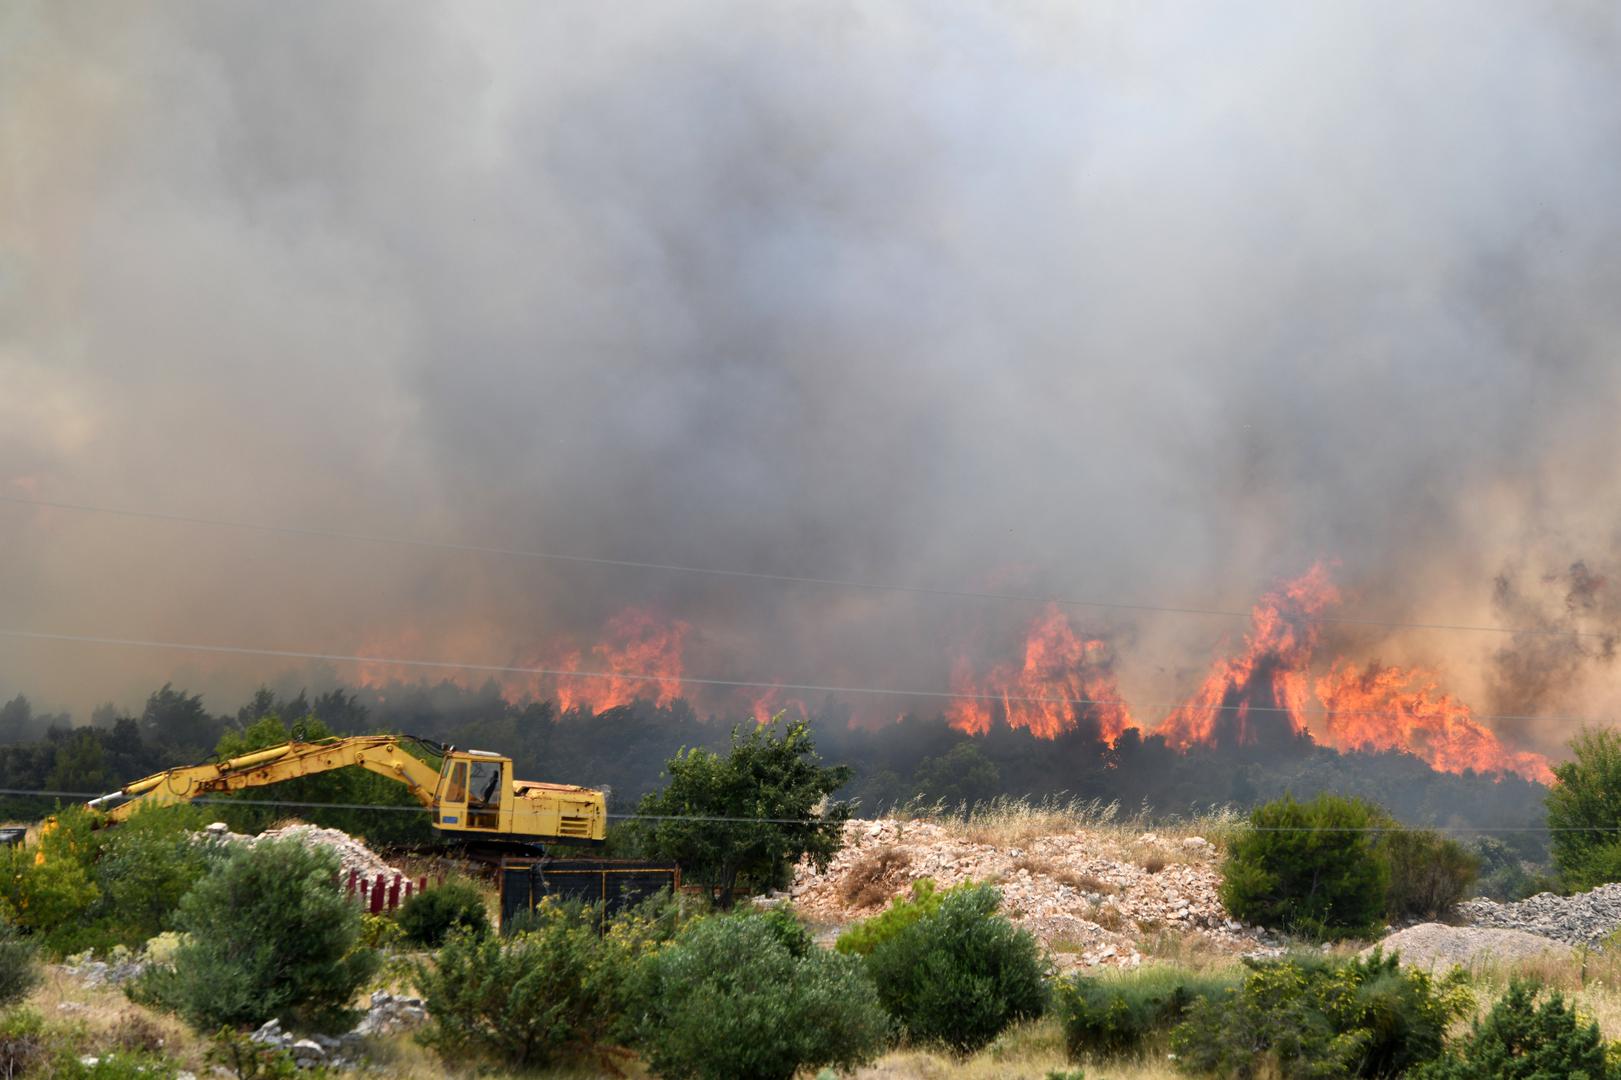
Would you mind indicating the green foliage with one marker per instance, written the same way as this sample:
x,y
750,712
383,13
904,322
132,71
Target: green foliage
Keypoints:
x,y
428,917
19,967
1584,811
864,936
551,993
772,772
48,889
1116,1016
144,868
961,973
117,1065
1316,1017
1429,874
268,935
745,996
962,776
25,1046
1312,868
1503,875
1520,1040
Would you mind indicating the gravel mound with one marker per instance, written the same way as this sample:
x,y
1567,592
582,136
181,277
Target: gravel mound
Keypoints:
x,y
1584,919
1435,946
352,854
1087,896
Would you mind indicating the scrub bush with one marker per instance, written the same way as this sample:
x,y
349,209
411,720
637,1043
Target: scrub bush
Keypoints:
x,y
268,934
430,916
745,997
1117,1016
1521,1040
961,973
1316,1017
1312,868
1429,874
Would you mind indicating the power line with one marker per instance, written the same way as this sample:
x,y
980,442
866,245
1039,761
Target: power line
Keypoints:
x,y
810,688
756,575
232,801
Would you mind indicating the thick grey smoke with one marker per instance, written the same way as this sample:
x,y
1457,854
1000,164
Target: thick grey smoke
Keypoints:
x,y
1134,301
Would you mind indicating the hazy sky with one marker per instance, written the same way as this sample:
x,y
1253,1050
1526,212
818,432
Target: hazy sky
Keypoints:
x,y
1131,301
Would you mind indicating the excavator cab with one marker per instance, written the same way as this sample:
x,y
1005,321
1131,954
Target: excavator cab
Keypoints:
x,y
477,794
472,784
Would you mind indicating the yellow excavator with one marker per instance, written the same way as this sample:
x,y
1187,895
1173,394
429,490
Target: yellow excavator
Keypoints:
x,y
472,793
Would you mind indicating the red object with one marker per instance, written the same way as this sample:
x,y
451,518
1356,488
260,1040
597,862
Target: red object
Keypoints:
x,y
377,896
394,893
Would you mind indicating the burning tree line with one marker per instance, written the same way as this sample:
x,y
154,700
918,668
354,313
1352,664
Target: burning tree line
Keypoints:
x,y
1061,680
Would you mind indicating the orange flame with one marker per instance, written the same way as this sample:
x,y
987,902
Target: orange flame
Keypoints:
x,y
1060,675
1392,708
1269,677
636,643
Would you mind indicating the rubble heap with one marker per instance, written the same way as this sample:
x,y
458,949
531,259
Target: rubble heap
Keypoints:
x,y
1583,919
1088,897
352,853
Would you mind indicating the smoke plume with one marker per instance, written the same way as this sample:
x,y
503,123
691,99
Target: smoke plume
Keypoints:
x,y
1119,301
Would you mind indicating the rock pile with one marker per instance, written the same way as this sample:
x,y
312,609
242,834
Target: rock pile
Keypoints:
x,y
352,853
1080,893
1584,919
119,968
385,1015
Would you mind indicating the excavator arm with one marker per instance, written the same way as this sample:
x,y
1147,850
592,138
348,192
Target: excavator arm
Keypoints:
x,y
382,754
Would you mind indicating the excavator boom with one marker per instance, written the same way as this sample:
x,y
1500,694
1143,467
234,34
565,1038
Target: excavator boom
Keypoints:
x,y
472,792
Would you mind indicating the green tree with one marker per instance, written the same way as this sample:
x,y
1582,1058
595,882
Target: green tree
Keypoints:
x,y
268,934
772,791
80,764
1584,811
1313,868
961,776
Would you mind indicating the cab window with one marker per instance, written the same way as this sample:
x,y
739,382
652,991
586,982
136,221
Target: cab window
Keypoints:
x,y
456,790
486,784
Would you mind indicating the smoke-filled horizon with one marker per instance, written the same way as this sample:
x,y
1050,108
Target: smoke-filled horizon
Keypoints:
x,y
1128,302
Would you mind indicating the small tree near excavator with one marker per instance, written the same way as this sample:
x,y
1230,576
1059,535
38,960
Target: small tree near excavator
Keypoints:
x,y
746,818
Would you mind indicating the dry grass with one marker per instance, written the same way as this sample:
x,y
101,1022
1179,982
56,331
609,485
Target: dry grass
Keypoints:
x,y
1007,822
871,881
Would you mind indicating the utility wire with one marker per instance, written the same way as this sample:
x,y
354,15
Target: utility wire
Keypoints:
x,y
755,575
813,688
221,801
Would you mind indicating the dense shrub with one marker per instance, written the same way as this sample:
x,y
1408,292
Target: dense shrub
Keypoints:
x,y
47,889
429,917
555,991
1429,874
1116,1016
143,869
961,973
1584,811
747,997
1312,868
1313,1016
268,934
19,967
1520,1040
